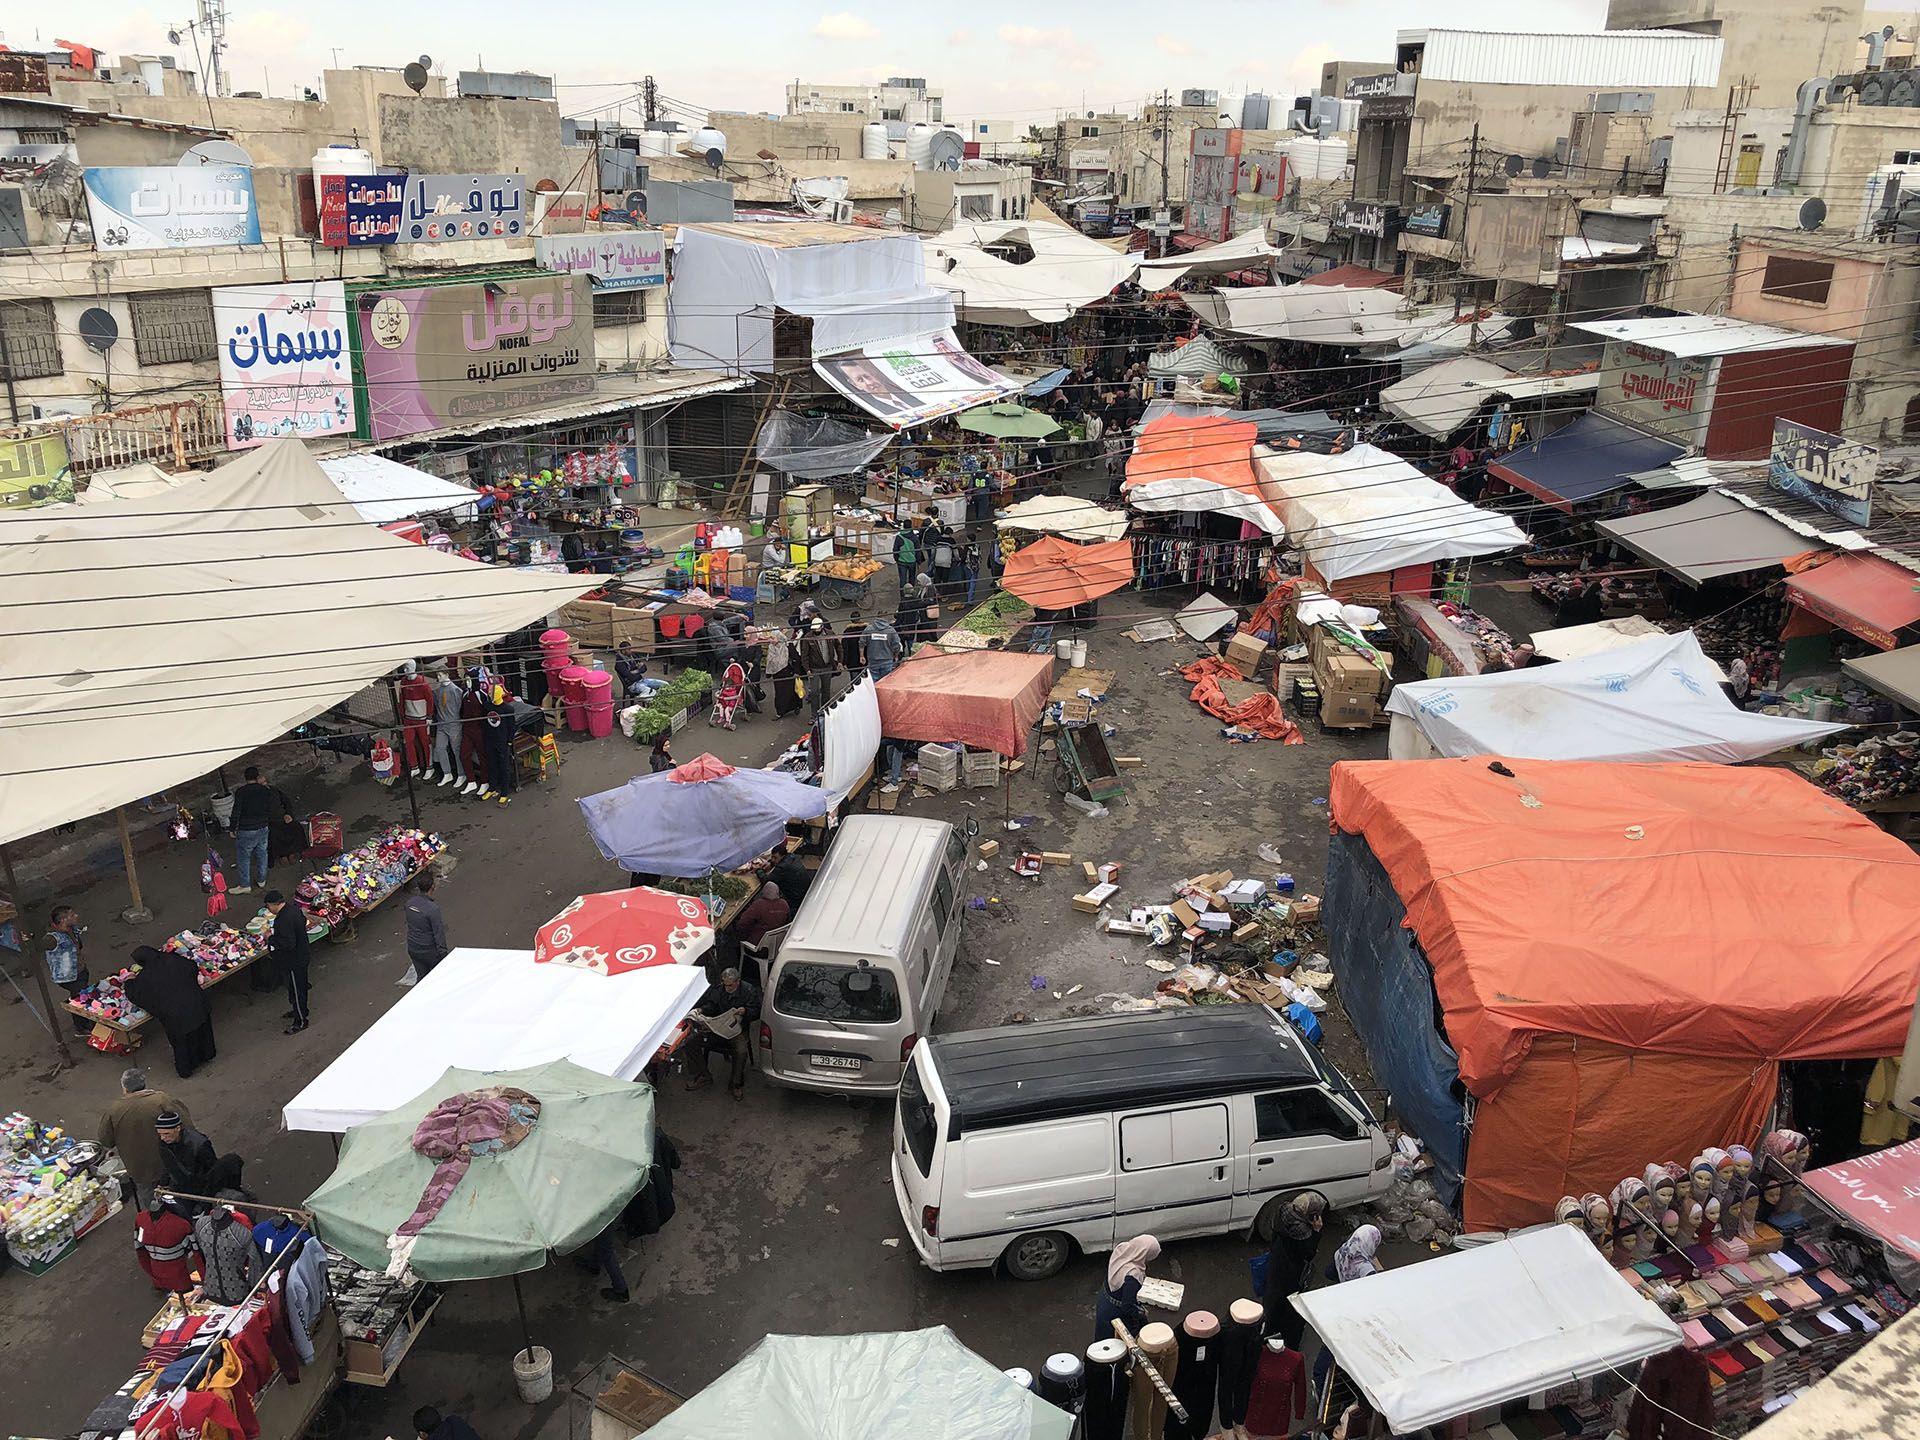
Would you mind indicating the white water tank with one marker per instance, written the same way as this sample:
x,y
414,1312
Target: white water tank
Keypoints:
x,y
707,138
920,145
1303,157
1333,159
1349,116
873,142
655,143
341,160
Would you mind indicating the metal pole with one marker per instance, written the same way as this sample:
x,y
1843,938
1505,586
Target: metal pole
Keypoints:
x,y
1166,137
413,800
526,1331
139,914
1466,208
34,962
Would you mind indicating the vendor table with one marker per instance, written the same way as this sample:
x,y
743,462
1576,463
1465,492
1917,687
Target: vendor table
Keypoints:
x,y
46,1208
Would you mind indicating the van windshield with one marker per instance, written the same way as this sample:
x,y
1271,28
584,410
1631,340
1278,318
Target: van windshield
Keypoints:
x,y
916,1117
838,992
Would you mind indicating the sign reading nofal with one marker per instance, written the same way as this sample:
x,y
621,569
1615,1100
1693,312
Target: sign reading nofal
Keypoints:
x,y
421,209
164,207
285,365
1834,473
619,260
438,355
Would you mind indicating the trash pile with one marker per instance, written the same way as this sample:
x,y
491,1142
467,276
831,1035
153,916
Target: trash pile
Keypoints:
x,y
1410,1210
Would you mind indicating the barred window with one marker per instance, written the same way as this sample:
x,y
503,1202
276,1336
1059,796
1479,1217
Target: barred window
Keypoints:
x,y
31,349
173,326
618,307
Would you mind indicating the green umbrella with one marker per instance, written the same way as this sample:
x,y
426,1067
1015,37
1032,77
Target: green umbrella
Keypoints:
x,y
1007,421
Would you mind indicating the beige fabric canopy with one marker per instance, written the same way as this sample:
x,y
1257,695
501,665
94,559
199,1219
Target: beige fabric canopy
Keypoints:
x,y
1065,516
146,642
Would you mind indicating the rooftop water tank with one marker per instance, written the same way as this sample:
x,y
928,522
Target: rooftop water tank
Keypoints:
x,y
1303,157
920,145
707,138
341,160
1349,116
655,142
873,142
1333,159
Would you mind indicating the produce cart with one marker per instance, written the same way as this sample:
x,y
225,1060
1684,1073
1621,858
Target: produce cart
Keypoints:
x,y
831,583
1086,766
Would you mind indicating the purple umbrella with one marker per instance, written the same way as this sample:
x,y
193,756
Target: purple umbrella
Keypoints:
x,y
703,816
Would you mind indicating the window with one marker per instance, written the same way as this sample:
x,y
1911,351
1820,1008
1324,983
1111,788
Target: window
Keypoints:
x,y
917,1117
846,107
1173,1137
976,207
1281,1114
865,996
43,137
956,849
1900,157
1790,278
173,326
618,307
32,347
1089,132
942,902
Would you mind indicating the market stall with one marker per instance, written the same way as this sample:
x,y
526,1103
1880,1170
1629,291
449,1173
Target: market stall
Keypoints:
x,y
1674,930
1582,461
1576,642
986,699
1206,521
1451,639
1710,538
1465,1337
49,1196
1863,595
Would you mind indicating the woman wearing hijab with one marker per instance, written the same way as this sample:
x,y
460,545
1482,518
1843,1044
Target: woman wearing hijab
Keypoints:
x,y
1119,1298
167,987
1355,1258
783,670
1296,1241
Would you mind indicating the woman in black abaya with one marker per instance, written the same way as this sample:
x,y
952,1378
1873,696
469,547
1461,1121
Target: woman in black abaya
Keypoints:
x,y
167,987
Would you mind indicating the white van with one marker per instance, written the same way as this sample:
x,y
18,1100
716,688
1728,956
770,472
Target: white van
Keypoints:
x,y
1017,1145
854,979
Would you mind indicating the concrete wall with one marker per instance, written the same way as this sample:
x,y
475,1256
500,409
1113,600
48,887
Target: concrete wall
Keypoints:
x,y
479,133
1335,74
109,144
1773,44
791,137
1524,120
1697,233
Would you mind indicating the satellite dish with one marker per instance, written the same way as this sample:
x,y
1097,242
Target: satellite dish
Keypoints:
x,y
1513,165
416,77
425,62
1542,169
1812,213
545,187
714,157
173,37
214,152
99,329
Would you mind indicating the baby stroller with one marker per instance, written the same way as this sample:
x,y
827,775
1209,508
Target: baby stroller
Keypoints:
x,y
726,700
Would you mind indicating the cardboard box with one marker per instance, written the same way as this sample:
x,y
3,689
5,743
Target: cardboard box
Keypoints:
x,y
1056,857
1185,915
1124,927
1348,674
884,799
1102,893
1347,711
1093,875
1244,652
1216,921
1246,932
1086,904
601,625
989,849
1306,909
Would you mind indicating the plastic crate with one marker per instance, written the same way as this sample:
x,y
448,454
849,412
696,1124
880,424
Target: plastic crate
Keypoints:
x,y
981,769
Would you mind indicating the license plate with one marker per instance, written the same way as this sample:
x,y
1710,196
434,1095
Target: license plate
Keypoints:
x,y
835,1062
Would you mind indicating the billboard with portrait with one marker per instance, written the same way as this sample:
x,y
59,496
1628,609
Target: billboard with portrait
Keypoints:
x,y
910,382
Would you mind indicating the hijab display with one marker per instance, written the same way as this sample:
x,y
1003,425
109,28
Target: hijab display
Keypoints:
x,y
1724,1195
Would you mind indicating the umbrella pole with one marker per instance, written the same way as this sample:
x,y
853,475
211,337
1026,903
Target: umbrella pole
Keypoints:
x,y
526,1331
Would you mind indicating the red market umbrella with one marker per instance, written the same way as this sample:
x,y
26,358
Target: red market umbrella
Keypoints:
x,y
621,930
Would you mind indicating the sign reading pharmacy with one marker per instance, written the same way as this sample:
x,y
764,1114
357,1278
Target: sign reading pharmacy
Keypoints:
x,y
166,207
285,364
620,260
1834,473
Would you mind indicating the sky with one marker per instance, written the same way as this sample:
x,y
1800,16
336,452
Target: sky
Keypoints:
x,y
997,62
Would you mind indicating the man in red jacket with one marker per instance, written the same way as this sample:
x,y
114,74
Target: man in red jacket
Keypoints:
x,y
163,1244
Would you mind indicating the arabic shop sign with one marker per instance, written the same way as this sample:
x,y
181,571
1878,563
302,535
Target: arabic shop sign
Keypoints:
x,y
1834,473
621,261
1669,395
1427,220
420,209
1366,217
442,354
30,470
154,207
285,365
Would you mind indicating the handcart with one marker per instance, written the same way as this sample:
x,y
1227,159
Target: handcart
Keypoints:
x,y
1086,765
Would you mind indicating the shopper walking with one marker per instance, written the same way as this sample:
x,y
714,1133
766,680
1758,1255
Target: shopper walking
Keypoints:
x,y
821,656
287,944
255,807
1296,1244
66,957
882,647
426,927
127,1129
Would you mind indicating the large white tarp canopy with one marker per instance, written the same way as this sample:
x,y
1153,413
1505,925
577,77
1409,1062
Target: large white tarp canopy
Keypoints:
x,y
1376,320
1067,271
1367,512
1426,1343
1243,252
497,1010
1571,642
383,491
1654,701
860,287
1064,516
1438,400
146,642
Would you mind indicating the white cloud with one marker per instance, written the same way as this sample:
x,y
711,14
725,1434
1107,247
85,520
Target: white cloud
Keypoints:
x,y
1251,67
962,36
1167,45
844,25
1070,55
1303,71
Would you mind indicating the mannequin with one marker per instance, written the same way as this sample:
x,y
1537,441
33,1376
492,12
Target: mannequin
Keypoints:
x,y
1062,1379
1568,1212
1771,1189
1199,1376
1239,1356
473,753
1659,1185
1149,1410
1691,1219
497,733
1750,1212
1709,1220
1104,1414
1279,1390
1742,1161
1722,1164
416,717
1700,1178
1599,1217
1787,1151
1670,1227
1732,1208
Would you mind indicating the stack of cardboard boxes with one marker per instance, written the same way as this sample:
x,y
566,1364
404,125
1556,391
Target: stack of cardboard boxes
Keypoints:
x,y
1352,687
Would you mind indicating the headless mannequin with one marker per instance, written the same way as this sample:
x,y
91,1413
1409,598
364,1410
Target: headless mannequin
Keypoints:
x,y
1239,1355
1199,1376
1149,1410
1104,1414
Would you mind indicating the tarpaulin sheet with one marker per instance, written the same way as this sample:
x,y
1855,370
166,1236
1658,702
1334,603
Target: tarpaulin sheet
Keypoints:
x,y
1583,460
1436,1341
1259,712
988,699
850,737
1368,512
1878,1193
1056,574
1654,700
1065,516
1438,400
146,642
1862,594
497,1010
1571,642
816,448
382,490
1561,900
1268,425
1064,272
1202,465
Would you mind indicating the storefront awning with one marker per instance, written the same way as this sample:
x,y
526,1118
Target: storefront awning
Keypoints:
x,y
611,396
1706,539
1582,461
1862,594
1895,674
1438,400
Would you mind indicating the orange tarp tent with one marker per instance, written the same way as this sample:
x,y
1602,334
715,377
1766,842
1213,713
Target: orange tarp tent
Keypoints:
x,y
988,699
1054,574
1200,463
1624,953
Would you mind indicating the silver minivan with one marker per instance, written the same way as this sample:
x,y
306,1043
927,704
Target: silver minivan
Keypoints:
x,y
853,980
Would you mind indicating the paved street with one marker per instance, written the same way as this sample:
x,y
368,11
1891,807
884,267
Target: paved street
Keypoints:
x,y
785,1209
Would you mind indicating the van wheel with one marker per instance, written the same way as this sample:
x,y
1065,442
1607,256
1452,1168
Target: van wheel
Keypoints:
x,y
1037,1256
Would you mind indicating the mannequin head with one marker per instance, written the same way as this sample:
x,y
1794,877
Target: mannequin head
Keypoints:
x,y
1742,1160
1710,1214
1771,1190
1722,1165
1246,1312
1276,1343
1670,1224
1700,1178
1660,1186
1598,1213
1750,1209
1568,1212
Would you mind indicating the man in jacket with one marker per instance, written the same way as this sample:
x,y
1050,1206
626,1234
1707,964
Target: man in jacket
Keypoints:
x,y
127,1129
187,1159
426,927
821,657
735,1006
256,806
883,647
287,944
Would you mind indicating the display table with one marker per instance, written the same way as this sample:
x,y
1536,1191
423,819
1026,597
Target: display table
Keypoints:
x,y
45,1206
218,956
380,1317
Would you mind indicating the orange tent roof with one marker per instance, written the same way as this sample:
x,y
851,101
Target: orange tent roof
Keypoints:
x,y
1689,909
989,699
1199,463
1054,574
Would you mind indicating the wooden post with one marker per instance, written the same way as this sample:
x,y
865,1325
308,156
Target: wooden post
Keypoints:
x,y
138,914
35,961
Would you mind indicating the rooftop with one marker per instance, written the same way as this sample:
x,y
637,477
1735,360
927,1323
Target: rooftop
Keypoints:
x,y
1690,336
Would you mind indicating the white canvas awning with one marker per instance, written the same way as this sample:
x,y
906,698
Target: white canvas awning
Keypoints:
x,y
145,642
1574,642
1655,701
1067,271
1367,512
1438,400
382,491
1064,516
1429,1342
497,1010
1242,252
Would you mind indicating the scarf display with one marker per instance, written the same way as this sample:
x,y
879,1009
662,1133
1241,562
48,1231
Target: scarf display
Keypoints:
x,y
475,1123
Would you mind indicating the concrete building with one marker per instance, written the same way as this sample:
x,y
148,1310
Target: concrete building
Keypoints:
x,y
977,192
901,97
1768,45
1335,74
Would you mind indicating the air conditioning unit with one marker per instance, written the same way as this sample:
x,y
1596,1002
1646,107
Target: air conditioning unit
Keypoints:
x,y
842,212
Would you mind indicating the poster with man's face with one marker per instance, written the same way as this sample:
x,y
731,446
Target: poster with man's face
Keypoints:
x,y
910,382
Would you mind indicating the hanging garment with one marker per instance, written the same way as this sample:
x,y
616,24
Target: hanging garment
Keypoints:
x,y
229,1259
1104,1410
1240,1347
1279,1392
1199,1376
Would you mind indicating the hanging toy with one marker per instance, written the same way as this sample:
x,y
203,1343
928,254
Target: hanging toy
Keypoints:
x,y
380,759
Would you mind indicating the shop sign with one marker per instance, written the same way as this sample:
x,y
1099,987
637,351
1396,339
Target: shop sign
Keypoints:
x,y
163,207
361,209
1371,87
1101,160
421,209
1386,107
910,382
441,354
1877,1193
1660,393
1427,220
1210,141
30,468
627,260
1366,217
286,367
1834,473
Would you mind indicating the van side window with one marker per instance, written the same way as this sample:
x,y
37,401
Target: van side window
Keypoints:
x,y
956,849
942,902
1173,1137
1281,1114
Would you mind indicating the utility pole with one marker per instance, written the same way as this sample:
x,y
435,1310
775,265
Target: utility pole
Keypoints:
x,y
650,98
1466,205
1166,139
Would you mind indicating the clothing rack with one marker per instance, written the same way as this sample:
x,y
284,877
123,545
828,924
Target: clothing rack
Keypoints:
x,y
1165,560
247,1205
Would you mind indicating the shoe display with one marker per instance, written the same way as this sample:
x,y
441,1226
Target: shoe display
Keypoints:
x,y
447,779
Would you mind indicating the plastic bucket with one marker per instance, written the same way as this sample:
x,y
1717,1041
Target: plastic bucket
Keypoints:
x,y
555,643
1079,654
1063,650
570,694
533,1373
597,690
